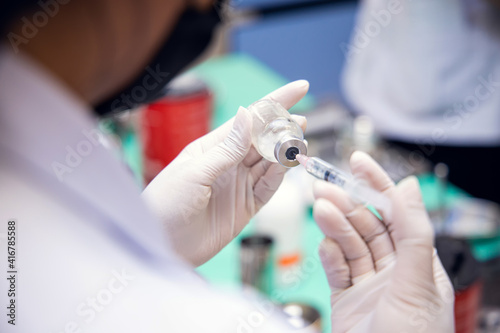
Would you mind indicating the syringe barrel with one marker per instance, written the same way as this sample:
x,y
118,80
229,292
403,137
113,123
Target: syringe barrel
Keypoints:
x,y
357,189
322,170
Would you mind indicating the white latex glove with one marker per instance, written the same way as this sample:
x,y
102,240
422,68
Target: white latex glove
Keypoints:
x,y
217,183
385,275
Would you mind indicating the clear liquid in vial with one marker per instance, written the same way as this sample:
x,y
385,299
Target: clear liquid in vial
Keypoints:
x,y
271,123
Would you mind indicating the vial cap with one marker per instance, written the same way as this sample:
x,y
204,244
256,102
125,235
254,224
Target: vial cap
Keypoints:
x,y
286,150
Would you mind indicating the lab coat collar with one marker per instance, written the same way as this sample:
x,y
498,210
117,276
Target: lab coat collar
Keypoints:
x,y
45,125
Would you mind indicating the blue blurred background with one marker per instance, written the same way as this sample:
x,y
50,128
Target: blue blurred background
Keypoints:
x,y
298,39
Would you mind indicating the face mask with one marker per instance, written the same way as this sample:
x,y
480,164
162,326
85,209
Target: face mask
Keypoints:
x,y
189,39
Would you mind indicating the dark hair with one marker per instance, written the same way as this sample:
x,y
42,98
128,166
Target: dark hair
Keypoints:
x,y
12,9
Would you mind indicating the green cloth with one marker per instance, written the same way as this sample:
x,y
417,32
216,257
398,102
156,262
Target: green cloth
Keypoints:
x,y
239,80
482,249
308,282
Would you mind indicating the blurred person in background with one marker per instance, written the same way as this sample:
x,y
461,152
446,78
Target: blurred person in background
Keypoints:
x,y
428,74
94,254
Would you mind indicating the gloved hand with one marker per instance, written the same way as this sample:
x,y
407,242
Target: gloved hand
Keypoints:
x,y
385,275
217,183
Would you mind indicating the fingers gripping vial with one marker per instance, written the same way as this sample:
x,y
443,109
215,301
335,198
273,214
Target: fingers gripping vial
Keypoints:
x,y
357,189
275,135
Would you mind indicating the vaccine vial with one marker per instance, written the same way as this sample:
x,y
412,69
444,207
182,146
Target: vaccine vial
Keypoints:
x,y
275,135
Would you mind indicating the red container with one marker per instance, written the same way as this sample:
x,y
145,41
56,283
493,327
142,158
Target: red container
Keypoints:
x,y
173,122
467,303
465,274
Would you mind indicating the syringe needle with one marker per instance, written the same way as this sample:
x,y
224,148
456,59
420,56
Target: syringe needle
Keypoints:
x,y
302,159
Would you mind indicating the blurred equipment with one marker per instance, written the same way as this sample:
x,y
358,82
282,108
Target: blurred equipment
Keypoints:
x,y
283,218
489,320
489,317
464,272
334,134
358,134
441,172
364,137
173,122
473,218
256,263
303,317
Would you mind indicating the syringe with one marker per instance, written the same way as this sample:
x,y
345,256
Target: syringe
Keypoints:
x,y
357,189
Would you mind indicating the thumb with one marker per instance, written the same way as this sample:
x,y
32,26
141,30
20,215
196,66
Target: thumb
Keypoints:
x,y
230,152
413,239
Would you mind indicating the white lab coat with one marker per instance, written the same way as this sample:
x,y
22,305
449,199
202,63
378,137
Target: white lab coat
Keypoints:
x,y
89,256
427,70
